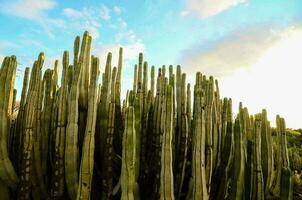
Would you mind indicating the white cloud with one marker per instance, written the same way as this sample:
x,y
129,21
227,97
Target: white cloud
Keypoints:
x,y
105,12
85,19
122,23
207,8
184,13
35,10
117,10
4,44
239,49
30,9
130,51
70,12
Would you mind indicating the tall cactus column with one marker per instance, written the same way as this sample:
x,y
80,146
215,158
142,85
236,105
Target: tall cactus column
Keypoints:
x,y
198,158
58,179
237,189
7,78
166,178
128,158
71,148
258,186
286,192
29,128
87,163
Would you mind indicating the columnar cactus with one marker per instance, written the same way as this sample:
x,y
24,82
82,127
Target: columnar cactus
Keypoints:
x,y
166,178
181,154
58,179
7,78
30,114
237,189
19,123
71,149
224,171
258,185
198,156
128,157
76,140
266,152
87,162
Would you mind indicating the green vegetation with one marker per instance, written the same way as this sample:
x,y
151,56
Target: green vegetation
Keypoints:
x,y
79,140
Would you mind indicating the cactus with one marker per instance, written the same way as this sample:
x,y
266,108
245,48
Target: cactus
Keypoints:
x,y
258,185
71,149
128,159
58,179
198,157
7,77
180,162
17,140
266,152
286,192
279,158
237,189
30,114
166,180
87,162
81,140
224,171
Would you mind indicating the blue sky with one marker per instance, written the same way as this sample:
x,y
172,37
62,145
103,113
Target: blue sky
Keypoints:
x,y
234,40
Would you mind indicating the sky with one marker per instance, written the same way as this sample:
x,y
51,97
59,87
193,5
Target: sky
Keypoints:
x,y
253,47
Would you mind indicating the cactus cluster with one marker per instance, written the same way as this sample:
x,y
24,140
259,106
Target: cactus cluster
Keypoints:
x,y
80,140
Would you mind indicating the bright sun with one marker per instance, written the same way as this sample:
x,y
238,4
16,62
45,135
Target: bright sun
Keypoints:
x,y
272,82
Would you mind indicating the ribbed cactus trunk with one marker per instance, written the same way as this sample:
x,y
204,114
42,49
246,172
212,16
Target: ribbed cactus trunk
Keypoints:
x,y
166,178
71,148
128,157
278,153
266,152
237,188
19,123
181,153
286,184
7,77
87,162
58,170
258,185
198,142
32,101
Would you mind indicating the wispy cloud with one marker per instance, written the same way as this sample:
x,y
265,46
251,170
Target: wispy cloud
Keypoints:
x,y
4,44
35,10
131,45
117,10
240,48
105,12
84,19
30,9
207,8
72,13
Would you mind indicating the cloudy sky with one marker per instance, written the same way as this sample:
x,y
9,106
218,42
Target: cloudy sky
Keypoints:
x,y
254,47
